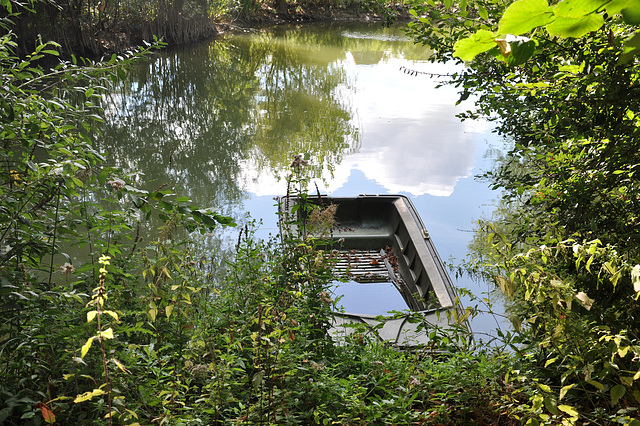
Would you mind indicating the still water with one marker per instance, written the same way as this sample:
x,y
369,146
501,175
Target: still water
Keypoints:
x,y
222,120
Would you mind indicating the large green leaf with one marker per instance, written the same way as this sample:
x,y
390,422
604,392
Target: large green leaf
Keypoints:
x,y
525,15
617,392
577,8
467,48
575,27
615,7
631,12
521,51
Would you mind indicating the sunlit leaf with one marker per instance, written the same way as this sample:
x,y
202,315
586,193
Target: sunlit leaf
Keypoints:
x,y
635,278
544,388
120,366
565,389
585,300
114,315
85,348
575,27
483,13
107,334
523,16
569,410
468,48
91,315
88,395
577,8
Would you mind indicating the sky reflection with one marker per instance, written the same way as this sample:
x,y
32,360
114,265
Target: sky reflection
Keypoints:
x,y
411,140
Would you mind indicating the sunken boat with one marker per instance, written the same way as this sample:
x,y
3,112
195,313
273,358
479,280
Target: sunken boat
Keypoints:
x,y
381,239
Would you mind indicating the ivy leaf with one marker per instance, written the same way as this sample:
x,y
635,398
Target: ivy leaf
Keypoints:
x,y
575,27
617,392
468,48
525,15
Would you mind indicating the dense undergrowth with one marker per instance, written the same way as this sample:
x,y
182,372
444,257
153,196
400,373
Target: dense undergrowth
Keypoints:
x,y
100,325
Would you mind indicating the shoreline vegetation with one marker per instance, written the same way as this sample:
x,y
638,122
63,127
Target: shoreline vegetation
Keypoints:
x,y
97,30
161,332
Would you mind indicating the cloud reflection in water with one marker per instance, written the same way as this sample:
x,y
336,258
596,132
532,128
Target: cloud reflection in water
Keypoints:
x,y
411,140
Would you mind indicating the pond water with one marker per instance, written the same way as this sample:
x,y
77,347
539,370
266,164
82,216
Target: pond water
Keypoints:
x,y
222,120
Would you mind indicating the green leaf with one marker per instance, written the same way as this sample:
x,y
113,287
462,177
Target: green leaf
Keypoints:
x,y
617,392
468,48
575,27
615,7
521,51
483,13
631,13
631,48
577,8
523,16
597,384
537,402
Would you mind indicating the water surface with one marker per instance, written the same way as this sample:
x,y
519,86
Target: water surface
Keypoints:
x,y
222,120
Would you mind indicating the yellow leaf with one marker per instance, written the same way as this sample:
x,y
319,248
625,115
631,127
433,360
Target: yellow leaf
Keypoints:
x,y
153,313
565,389
545,388
86,347
91,315
88,395
569,410
112,314
120,366
165,271
168,310
107,334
